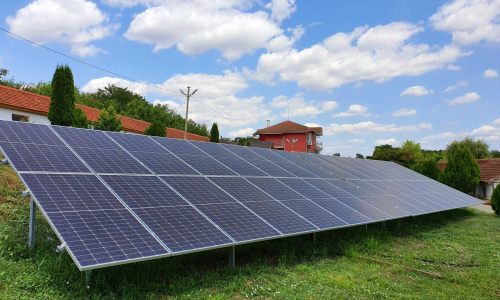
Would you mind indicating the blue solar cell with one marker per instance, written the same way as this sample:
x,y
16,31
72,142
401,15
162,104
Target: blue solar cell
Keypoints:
x,y
177,146
352,188
111,161
20,132
198,190
86,138
240,223
294,169
270,168
39,157
386,205
302,187
206,165
143,191
164,163
242,151
314,213
240,166
267,154
341,210
241,189
212,149
364,208
136,142
328,188
182,228
386,187
105,237
68,192
316,170
368,188
314,158
276,189
279,216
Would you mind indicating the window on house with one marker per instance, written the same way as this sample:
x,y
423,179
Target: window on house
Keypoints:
x,y
309,151
309,139
20,118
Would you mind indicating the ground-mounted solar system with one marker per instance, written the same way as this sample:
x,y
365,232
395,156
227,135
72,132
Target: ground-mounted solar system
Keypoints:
x,y
114,198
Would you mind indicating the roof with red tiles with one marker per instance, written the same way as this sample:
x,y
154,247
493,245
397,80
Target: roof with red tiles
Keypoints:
x,y
288,127
33,103
490,169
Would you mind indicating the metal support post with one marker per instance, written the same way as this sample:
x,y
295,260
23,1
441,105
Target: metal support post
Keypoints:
x,y
313,237
232,257
366,227
31,242
383,224
88,276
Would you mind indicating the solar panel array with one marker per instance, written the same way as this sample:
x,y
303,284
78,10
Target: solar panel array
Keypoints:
x,y
115,198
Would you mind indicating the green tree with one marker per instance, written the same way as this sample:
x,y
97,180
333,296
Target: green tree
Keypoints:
x,y
495,153
108,120
156,128
359,155
478,148
3,73
336,154
495,200
428,168
241,141
248,143
462,171
79,118
214,133
62,101
414,149
394,154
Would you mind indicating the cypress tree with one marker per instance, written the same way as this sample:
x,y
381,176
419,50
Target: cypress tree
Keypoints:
x,y
495,200
156,128
80,119
214,133
62,97
462,172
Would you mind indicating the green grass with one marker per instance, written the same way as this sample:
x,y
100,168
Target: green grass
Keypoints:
x,y
291,268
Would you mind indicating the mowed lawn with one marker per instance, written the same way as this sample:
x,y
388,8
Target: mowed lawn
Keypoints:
x,y
463,246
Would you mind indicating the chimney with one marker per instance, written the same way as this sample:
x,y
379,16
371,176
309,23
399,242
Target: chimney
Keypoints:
x,y
268,123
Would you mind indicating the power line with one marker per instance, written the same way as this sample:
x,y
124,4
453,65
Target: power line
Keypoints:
x,y
113,73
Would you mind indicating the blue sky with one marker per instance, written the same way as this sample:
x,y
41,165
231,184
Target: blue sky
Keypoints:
x,y
369,72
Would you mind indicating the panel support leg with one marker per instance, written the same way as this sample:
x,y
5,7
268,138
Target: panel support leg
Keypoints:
x,y
88,276
313,237
232,257
31,242
383,224
366,227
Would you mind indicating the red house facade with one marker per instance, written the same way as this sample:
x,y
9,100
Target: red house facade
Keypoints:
x,y
283,134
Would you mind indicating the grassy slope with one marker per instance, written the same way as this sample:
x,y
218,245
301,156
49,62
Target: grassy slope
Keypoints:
x,y
291,268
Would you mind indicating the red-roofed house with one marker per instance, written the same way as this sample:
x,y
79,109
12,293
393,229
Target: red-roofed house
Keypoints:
x,y
490,176
282,135
18,105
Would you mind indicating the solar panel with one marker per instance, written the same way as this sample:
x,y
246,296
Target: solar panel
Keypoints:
x,y
212,149
164,163
178,146
240,166
17,132
84,138
136,142
206,165
111,161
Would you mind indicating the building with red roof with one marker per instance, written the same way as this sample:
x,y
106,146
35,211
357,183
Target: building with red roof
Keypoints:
x,y
19,105
283,135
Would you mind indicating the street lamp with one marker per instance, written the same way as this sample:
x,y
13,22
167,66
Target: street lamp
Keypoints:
x,y
292,142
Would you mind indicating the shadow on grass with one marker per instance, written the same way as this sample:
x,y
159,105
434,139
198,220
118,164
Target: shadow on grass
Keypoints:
x,y
189,273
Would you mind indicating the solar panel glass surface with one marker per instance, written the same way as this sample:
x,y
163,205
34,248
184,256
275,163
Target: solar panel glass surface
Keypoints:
x,y
28,133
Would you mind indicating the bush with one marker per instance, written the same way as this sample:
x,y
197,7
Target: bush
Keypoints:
x,y
80,119
108,120
495,200
428,168
462,171
156,128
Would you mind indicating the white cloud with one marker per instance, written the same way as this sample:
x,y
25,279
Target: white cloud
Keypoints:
x,y
469,21
281,9
312,125
466,98
438,137
378,54
451,67
354,110
102,82
196,26
490,73
371,128
296,106
71,22
456,86
391,141
356,142
487,133
283,42
415,91
242,132
497,122
404,112
171,104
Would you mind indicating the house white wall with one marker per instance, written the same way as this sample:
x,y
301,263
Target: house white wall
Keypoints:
x,y
6,114
485,190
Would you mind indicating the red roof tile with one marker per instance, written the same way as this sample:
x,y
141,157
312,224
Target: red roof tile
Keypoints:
x,y
25,101
490,169
288,127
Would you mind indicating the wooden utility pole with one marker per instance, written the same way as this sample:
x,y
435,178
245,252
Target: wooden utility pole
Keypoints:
x,y
187,108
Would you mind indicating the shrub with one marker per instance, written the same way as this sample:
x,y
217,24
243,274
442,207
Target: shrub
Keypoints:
x,y
80,119
495,200
462,171
428,168
156,128
108,120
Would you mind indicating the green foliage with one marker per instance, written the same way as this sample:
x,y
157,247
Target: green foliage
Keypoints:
x,y
478,148
414,149
248,143
428,168
359,155
495,199
156,129
241,142
495,154
62,96
3,73
435,155
214,133
397,155
461,172
108,120
79,118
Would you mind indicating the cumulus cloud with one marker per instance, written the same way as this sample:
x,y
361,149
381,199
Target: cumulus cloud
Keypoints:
x,y
497,122
404,112
297,106
242,132
469,21
371,128
391,141
466,98
488,132
490,73
356,142
283,42
415,91
438,137
71,22
451,67
281,9
456,86
378,54
354,110
196,26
